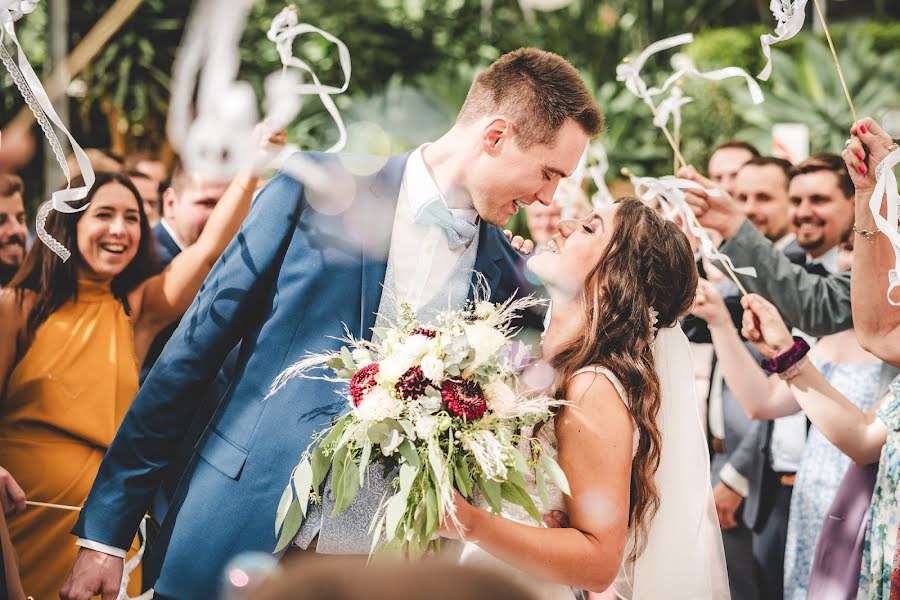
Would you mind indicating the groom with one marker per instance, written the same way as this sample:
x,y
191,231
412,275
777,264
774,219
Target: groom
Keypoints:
x,y
309,259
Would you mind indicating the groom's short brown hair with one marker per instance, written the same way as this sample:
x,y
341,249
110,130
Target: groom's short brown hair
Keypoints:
x,y
536,91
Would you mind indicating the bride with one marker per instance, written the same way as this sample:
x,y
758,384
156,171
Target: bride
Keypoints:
x,y
641,514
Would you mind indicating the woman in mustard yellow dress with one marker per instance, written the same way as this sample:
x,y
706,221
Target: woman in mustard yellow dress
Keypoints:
x,y
71,338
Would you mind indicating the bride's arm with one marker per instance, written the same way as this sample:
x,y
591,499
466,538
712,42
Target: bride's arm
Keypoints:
x,y
595,445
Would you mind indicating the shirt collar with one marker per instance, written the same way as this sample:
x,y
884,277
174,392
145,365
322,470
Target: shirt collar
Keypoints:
x,y
171,232
421,188
829,260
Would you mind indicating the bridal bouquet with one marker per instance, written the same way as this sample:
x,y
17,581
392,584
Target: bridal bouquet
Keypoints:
x,y
441,407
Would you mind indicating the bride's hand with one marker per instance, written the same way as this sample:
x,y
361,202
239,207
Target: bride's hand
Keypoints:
x,y
448,529
519,243
764,327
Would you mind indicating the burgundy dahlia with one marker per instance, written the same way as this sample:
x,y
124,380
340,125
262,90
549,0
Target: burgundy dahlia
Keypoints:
x,y
412,384
464,399
362,381
429,333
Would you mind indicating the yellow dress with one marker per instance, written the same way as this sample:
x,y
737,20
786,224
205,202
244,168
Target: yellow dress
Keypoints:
x,y
64,402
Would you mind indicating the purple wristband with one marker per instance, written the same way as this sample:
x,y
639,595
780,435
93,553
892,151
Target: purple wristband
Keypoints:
x,y
787,359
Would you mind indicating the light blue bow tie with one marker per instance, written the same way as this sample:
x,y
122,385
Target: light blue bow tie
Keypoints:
x,y
435,212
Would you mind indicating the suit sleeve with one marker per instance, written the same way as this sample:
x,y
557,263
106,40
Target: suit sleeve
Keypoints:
x,y
815,304
157,421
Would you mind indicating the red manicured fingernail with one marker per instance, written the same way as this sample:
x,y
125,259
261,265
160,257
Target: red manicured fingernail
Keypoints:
x,y
859,155
863,128
862,170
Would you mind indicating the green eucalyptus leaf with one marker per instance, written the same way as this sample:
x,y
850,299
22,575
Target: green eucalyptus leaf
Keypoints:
x,y
431,514
320,466
462,476
283,505
335,363
515,477
303,477
292,522
555,473
347,359
349,487
491,490
542,486
409,454
364,460
513,493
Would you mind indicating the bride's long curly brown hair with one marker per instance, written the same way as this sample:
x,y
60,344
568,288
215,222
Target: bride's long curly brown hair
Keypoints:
x,y
648,262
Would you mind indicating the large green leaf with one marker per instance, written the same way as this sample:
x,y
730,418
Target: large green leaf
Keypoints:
x,y
555,473
491,491
516,495
292,523
303,478
283,505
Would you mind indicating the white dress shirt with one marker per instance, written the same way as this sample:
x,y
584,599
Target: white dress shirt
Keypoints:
x,y
421,256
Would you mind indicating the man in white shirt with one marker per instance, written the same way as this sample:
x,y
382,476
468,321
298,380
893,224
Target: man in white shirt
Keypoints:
x,y
301,270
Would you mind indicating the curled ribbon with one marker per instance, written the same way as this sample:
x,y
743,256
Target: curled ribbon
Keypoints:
x,y
790,15
597,171
886,182
630,72
36,98
285,28
669,191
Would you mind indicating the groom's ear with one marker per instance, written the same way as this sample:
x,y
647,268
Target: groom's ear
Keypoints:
x,y
496,130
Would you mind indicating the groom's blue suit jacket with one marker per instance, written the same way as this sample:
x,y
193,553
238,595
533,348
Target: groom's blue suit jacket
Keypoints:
x,y
285,286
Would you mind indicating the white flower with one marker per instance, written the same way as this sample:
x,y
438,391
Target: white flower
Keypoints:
x,y
425,426
394,366
377,405
485,340
433,368
418,345
389,445
484,310
362,357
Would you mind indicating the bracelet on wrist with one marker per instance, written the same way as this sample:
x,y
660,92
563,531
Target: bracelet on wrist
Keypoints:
x,y
788,358
794,369
869,235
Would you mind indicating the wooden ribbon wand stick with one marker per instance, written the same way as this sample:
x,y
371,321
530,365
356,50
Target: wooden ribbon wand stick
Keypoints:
x,y
837,63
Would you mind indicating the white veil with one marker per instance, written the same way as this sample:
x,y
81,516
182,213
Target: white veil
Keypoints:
x,y
683,557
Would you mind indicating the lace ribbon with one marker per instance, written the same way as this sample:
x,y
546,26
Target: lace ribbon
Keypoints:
x,y
669,191
36,98
285,28
886,182
790,15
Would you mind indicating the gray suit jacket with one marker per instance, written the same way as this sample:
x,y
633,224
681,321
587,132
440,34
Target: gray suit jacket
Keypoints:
x,y
814,304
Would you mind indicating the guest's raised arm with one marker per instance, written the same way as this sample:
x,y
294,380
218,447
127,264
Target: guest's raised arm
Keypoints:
x,y
876,321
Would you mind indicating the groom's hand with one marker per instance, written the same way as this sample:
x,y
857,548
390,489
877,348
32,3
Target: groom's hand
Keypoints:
x,y
94,573
522,245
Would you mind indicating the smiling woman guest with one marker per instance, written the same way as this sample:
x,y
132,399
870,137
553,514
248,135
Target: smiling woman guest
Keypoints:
x,y
72,335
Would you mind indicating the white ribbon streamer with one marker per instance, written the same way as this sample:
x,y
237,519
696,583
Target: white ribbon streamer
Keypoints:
x,y
669,191
597,171
716,75
630,72
131,564
790,15
36,98
886,183
671,108
285,28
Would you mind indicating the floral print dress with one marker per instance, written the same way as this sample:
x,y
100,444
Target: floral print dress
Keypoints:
x,y
881,535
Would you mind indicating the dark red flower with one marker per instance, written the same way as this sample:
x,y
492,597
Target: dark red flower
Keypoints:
x,y
464,399
362,381
412,384
429,333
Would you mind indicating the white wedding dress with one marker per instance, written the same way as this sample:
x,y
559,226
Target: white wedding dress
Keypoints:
x,y
683,557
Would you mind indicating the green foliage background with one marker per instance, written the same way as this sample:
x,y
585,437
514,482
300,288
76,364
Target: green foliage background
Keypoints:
x,y
413,61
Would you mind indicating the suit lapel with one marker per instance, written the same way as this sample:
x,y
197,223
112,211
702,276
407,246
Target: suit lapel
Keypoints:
x,y
385,191
487,262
